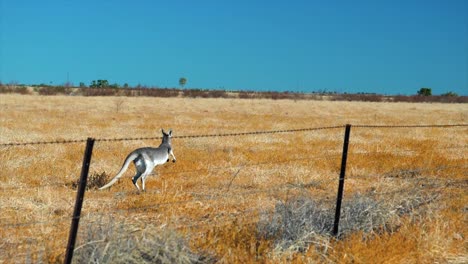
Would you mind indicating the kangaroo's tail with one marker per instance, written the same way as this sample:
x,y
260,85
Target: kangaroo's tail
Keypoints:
x,y
124,168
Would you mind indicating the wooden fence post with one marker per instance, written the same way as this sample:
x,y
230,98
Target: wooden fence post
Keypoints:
x,y
79,200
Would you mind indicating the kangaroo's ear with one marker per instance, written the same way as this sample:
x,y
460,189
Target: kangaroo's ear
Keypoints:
x,y
170,132
162,130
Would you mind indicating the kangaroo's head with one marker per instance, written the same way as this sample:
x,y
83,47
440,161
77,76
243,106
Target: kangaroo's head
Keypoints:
x,y
166,136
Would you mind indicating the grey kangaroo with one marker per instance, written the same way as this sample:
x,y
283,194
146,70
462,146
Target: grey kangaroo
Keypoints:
x,y
145,159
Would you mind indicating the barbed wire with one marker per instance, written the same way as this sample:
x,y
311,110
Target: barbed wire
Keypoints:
x,y
178,137
228,134
327,156
411,126
262,132
215,196
12,144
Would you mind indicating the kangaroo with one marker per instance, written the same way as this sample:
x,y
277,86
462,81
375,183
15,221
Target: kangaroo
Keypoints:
x,y
145,160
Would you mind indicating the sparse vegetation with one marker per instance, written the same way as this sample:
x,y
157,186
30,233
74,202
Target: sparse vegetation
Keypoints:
x,y
182,82
95,180
103,88
266,198
298,223
425,92
452,94
99,84
106,241
54,90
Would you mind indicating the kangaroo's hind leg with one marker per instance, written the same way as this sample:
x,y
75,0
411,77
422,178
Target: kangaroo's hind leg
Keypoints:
x,y
140,170
148,171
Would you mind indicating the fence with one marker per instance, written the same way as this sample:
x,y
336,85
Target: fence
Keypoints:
x,y
408,176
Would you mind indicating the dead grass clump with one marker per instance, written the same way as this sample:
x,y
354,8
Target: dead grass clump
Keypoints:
x,y
107,242
296,224
234,241
367,215
95,181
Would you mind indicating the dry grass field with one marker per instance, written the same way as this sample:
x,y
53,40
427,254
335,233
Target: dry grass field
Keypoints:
x,y
259,198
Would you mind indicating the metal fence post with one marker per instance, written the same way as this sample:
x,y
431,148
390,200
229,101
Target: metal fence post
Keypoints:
x,y
342,179
79,200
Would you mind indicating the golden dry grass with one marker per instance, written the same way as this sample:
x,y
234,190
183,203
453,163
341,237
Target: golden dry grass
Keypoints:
x,y
219,186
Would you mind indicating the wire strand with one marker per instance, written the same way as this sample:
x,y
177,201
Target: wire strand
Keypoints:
x,y
12,144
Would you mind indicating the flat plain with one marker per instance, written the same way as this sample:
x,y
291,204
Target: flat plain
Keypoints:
x,y
249,198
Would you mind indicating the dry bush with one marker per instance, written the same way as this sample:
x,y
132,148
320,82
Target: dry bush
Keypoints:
x,y
54,90
100,91
6,89
104,241
153,92
95,181
296,224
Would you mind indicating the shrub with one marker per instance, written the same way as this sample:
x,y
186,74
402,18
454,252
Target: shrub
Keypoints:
x,y
109,242
295,223
100,92
22,90
300,222
450,94
194,93
218,94
425,91
154,92
53,90
14,89
5,89
95,181
246,95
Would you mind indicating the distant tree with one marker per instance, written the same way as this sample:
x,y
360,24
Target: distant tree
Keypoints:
x,y
99,84
102,83
452,94
82,85
182,81
425,91
125,85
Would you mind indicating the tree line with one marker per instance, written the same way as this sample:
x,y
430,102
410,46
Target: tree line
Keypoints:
x,y
102,87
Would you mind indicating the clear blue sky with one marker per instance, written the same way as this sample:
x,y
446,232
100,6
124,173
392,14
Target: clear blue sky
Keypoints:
x,y
390,47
